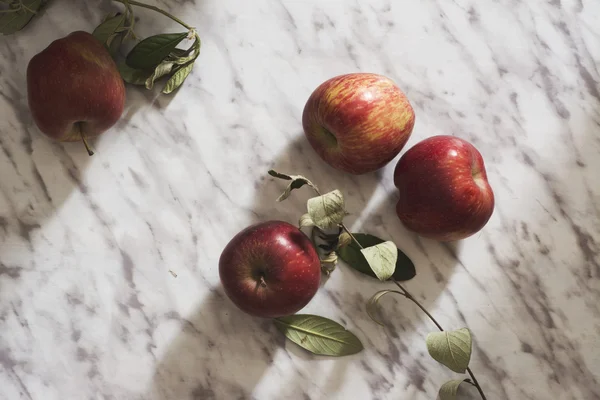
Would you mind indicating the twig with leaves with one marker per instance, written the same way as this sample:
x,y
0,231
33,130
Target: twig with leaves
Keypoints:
x,y
152,59
155,57
16,14
384,261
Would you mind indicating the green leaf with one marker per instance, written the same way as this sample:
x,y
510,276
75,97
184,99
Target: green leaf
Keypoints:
x,y
319,335
305,221
151,51
182,57
132,75
11,22
449,390
382,259
108,28
178,78
451,348
162,69
373,303
178,53
351,255
327,211
114,43
297,182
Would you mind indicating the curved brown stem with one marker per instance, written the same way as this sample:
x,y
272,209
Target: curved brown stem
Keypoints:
x,y
414,300
476,384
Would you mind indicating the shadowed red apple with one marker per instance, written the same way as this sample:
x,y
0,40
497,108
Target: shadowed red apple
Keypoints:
x,y
74,89
444,191
270,269
358,122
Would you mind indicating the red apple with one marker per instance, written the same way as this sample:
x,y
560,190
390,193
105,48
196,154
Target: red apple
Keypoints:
x,y
444,192
358,122
270,269
74,88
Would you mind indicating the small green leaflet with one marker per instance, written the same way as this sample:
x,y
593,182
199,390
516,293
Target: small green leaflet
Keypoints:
x,y
449,390
305,221
11,22
297,181
382,259
373,303
327,211
319,335
451,348
162,69
351,255
151,51
108,28
178,78
132,75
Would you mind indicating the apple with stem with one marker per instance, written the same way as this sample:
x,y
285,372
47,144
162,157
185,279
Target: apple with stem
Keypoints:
x,y
444,191
358,122
75,91
270,269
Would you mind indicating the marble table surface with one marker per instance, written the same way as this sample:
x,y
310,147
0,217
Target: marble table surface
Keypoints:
x,y
109,285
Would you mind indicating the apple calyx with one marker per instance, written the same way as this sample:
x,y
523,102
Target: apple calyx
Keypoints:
x,y
83,139
262,281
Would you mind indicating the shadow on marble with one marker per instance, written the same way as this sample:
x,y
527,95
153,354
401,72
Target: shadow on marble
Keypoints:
x,y
38,174
300,159
220,352
434,261
139,98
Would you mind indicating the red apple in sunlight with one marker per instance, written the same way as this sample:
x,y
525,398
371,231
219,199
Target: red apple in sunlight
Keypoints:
x,y
358,122
270,269
444,192
74,89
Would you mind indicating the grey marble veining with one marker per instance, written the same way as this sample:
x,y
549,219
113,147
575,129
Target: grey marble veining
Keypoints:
x,y
90,309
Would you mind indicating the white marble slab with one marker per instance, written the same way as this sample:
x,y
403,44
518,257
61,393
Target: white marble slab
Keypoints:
x,y
89,309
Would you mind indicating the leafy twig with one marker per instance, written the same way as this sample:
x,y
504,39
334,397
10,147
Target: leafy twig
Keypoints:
x,y
410,297
158,10
403,291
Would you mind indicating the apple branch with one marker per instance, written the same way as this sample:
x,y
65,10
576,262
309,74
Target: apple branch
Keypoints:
x,y
158,10
403,291
410,297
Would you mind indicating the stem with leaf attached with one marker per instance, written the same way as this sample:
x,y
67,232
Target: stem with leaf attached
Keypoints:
x,y
410,297
129,3
403,290
158,10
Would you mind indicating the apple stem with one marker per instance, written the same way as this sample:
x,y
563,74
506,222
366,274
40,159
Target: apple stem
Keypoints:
x,y
410,297
83,139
